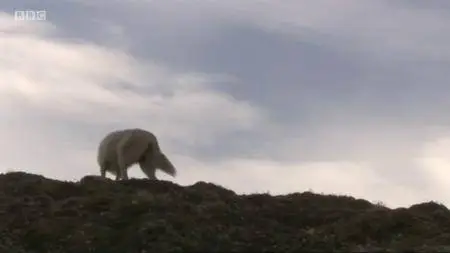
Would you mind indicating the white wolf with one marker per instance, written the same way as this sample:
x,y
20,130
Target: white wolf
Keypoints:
x,y
121,149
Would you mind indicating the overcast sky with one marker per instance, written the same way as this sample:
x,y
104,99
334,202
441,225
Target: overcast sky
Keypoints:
x,y
346,97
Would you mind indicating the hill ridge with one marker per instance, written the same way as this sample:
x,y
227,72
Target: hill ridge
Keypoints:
x,y
38,214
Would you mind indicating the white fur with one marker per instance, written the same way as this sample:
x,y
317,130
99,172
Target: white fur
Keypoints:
x,y
121,149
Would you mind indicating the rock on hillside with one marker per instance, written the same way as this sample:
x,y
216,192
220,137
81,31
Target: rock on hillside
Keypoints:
x,y
38,214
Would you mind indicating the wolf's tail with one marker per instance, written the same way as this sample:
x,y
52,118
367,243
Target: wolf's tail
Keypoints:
x,y
166,165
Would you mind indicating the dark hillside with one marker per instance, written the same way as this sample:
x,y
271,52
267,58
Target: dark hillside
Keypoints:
x,y
95,215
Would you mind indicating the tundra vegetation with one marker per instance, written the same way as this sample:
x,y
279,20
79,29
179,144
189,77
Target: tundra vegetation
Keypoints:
x,y
94,214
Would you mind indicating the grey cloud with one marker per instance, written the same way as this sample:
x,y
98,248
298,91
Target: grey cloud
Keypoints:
x,y
436,5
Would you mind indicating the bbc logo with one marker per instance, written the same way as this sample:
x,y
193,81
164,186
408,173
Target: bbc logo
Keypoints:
x,y
30,15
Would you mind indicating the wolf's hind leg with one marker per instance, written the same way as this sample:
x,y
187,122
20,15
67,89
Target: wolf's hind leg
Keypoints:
x,y
121,166
148,167
103,170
